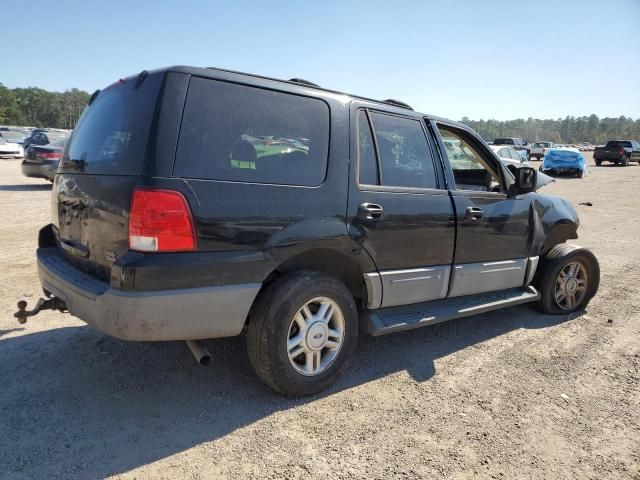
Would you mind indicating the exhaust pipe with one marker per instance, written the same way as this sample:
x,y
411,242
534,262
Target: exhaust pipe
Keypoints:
x,y
200,352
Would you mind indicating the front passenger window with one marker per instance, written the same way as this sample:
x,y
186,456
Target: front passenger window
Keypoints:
x,y
470,170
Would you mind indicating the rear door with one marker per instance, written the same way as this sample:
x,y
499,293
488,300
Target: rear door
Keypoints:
x,y
100,167
398,208
492,228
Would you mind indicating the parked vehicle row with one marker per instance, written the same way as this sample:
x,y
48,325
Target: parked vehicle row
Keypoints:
x,y
295,215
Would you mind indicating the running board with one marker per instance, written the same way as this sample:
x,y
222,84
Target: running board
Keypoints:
x,y
407,317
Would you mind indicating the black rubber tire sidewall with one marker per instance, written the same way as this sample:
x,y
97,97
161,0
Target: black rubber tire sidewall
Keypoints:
x,y
269,325
552,263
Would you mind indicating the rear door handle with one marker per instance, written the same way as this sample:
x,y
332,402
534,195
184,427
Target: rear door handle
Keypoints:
x,y
473,214
370,211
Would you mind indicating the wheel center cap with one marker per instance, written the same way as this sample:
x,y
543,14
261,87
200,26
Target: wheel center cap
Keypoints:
x,y
316,336
571,286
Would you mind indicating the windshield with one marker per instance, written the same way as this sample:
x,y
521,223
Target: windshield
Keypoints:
x,y
503,141
112,133
542,144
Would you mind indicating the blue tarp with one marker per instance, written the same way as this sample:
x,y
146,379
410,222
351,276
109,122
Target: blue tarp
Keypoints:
x,y
564,159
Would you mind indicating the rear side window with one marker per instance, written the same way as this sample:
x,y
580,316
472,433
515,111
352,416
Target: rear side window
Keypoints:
x,y
404,155
112,134
239,133
368,170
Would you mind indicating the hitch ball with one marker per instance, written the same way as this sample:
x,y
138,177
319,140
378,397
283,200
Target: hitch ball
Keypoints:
x,y
22,306
52,303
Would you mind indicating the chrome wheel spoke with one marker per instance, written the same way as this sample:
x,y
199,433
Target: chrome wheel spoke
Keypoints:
x,y
296,341
295,352
312,362
300,321
306,314
325,312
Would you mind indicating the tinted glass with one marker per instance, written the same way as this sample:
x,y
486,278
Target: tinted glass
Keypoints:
x,y
618,143
470,170
405,159
112,133
366,152
240,133
503,141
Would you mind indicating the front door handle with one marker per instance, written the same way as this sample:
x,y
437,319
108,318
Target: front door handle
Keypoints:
x,y
473,214
370,211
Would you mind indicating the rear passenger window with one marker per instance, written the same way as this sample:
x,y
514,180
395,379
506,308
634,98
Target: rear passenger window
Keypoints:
x,y
405,158
366,152
247,134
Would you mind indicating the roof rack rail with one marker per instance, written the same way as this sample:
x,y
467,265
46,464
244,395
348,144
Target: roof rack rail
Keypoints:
x,y
397,103
302,81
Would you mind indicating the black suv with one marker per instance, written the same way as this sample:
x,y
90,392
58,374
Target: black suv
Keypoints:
x,y
194,203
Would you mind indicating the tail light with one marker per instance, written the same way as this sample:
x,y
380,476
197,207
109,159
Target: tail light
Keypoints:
x,y
49,155
622,152
160,221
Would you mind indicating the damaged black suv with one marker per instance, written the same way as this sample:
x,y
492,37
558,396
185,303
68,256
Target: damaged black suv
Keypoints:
x,y
196,203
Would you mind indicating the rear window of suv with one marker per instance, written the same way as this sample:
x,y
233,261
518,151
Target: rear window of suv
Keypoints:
x,y
239,133
618,144
112,134
503,141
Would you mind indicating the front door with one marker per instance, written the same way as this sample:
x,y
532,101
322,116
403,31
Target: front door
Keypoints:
x,y
492,228
398,208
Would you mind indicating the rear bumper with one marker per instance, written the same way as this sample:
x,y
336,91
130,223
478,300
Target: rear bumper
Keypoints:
x,y
39,170
181,314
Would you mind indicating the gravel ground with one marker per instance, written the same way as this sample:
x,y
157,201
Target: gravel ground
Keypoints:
x,y
503,395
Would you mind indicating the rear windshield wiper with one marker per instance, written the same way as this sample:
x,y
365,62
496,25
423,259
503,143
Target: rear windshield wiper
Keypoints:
x,y
77,164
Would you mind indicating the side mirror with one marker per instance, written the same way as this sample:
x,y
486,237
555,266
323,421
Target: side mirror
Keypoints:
x,y
525,180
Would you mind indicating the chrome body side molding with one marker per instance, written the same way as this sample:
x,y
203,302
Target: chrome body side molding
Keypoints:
x,y
532,267
471,278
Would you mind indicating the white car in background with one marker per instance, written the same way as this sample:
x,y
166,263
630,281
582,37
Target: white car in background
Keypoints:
x,y
509,156
10,149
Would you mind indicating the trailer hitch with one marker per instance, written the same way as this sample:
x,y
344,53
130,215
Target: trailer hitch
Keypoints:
x,y
52,303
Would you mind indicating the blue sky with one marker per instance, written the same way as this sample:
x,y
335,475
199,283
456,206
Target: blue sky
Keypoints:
x,y
482,59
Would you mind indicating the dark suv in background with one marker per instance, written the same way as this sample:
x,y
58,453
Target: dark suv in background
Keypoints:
x,y
193,203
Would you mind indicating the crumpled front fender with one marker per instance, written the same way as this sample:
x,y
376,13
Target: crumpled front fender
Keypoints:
x,y
553,220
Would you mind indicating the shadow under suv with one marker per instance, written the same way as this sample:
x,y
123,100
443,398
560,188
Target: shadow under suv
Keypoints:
x,y
194,203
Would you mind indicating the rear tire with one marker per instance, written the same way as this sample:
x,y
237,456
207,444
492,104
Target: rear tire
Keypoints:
x,y
625,162
302,333
598,163
579,174
567,280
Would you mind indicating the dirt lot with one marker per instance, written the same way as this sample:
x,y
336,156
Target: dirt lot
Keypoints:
x,y
504,395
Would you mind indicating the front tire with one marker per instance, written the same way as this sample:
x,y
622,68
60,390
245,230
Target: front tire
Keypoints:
x,y
568,279
302,333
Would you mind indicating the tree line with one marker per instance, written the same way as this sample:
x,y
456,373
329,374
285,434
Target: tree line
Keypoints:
x,y
36,107
563,130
